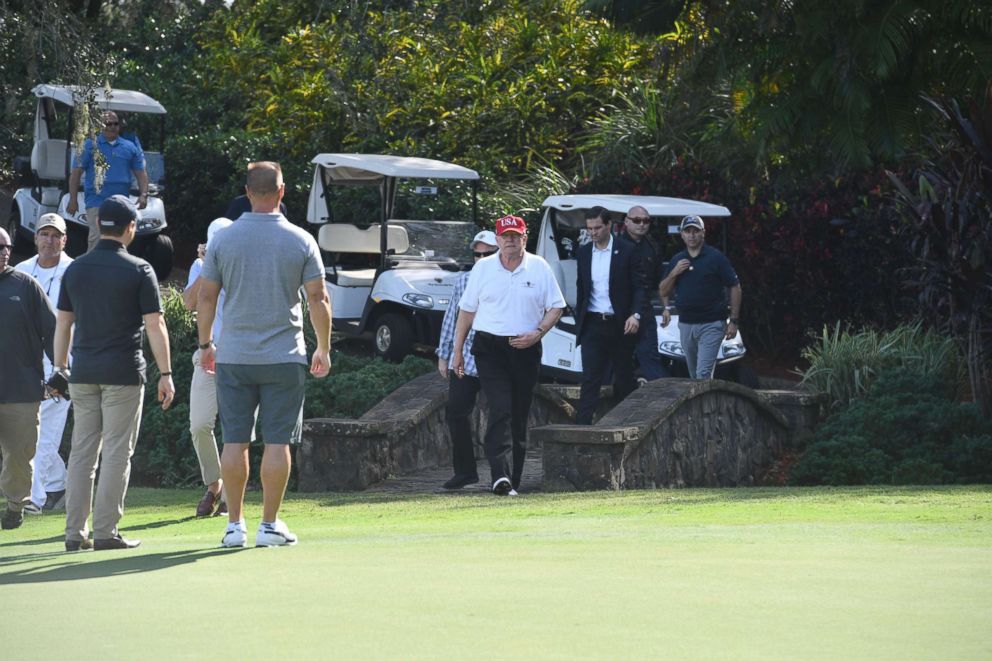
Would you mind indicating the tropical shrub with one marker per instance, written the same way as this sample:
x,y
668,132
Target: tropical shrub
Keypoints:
x,y
907,430
844,364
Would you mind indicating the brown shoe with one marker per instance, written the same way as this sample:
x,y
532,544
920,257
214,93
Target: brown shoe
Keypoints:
x,y
206,506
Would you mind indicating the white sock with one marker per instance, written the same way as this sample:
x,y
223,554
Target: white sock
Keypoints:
x,y
236,525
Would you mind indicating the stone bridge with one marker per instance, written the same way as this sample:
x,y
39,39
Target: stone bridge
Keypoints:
x,y
668,433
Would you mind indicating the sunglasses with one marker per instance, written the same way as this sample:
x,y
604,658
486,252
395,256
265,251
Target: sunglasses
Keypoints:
x,y
484,254
111,123
5,246
639,220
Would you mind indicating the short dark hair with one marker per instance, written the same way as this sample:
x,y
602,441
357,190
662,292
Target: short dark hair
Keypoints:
x,y
114,230
599,212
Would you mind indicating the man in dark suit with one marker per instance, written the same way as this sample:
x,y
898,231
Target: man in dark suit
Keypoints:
x,y
610,294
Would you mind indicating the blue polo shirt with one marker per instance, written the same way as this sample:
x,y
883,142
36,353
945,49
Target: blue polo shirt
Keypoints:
x,y
700,293
110,291
122,157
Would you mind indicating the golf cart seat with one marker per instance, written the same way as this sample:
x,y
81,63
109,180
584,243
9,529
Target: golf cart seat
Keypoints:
x,y
48,159
355,278
335,237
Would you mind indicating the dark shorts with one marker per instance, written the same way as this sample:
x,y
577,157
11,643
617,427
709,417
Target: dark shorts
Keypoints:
x,y
275,390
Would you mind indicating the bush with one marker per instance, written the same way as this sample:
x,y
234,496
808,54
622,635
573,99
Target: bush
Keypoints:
x,y
164,455
908,430
843,365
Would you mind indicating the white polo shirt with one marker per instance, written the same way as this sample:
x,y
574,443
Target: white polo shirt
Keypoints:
x,y
510,302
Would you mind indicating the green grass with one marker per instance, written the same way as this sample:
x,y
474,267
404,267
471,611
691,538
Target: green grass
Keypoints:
x,y
706,574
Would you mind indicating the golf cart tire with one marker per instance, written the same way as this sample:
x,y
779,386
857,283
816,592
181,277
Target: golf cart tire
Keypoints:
x,y
159,254
20,243
392,337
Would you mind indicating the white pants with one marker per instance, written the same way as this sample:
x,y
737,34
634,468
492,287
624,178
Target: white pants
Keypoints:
x,y
49,469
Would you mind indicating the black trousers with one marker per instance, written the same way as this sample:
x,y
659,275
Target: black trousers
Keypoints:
x,y
462,394
507,377
603,343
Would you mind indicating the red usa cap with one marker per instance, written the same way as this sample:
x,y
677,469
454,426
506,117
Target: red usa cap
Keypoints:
x,y
511,224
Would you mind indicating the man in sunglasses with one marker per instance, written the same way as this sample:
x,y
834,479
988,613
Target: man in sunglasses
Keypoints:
x,y
511,301
636,226
122,157
27,332
462,392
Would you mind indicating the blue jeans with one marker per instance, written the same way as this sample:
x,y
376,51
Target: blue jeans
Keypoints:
x,y
701,344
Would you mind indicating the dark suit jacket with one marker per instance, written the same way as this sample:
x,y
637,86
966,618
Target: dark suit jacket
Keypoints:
x,y
628,289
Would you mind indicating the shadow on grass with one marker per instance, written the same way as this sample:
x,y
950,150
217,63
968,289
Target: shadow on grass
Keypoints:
x,y
73,569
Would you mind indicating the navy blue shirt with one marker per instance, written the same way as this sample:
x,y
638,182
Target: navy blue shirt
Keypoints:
x,y
700,293
109,291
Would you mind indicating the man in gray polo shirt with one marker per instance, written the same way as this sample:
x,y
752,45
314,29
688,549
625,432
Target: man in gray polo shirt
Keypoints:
x,y
110,296
261,262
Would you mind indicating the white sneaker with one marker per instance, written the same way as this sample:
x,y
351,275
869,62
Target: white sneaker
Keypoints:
x,y
513,492
502,486
31,508
274,534
235,537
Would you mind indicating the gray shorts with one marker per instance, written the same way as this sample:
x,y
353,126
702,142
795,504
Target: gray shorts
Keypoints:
x,y
275,390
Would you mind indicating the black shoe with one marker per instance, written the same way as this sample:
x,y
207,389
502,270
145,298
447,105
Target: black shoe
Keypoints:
x,y
114,543
55,500
502,487
11,519
78,545
459,481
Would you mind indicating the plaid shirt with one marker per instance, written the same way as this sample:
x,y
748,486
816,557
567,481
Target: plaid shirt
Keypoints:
x,y
447,343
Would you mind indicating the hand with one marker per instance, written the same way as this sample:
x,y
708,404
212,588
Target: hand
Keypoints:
x,y
208,359
731,330
631,326
72,206
442,368
320,363
525,340
666,318
458,364
166,391
683,266
142,201
201,250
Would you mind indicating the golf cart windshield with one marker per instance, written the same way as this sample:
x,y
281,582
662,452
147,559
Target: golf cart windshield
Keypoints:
x,y
437,241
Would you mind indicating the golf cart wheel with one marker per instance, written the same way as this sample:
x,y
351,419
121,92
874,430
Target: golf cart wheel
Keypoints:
x,y
159,254
393,337
20,243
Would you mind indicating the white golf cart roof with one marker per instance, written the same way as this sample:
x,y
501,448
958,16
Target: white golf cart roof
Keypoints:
x,y
372,167
123,100
656,206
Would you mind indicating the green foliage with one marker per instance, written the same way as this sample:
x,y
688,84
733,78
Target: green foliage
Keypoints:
x,y
907,430
843,365
164,455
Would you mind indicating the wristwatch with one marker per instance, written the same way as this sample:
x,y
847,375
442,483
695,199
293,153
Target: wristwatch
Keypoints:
x,y
206,345
637,315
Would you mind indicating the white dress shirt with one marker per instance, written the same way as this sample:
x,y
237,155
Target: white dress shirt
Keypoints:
x,y
599,294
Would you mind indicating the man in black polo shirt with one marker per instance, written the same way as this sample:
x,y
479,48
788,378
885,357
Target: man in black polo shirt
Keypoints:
x,y
699,276
109,295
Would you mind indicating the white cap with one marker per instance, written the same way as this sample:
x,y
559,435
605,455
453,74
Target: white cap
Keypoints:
x,y
217,225
50,220
485,236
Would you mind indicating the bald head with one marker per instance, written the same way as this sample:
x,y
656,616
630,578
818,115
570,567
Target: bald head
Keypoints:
x,y
637,222
5,252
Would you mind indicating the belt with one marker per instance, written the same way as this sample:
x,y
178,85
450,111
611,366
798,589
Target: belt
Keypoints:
x,y
601,316
500,338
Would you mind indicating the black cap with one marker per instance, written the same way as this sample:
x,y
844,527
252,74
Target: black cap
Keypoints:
x,y
117,210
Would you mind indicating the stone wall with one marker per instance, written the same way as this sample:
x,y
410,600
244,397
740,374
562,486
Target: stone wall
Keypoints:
x,y
668,433
404,433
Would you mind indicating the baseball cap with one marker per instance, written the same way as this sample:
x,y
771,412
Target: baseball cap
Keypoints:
x,y
511,224
691,221
50,220
485,236
216,225
117,210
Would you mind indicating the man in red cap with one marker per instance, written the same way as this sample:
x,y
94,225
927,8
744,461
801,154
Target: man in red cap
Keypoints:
x,y
511,301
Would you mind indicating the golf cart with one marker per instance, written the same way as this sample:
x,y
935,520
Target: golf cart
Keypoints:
x,y
394,232
47,172
563,230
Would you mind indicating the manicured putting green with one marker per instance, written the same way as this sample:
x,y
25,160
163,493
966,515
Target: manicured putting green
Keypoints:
x,y
702,574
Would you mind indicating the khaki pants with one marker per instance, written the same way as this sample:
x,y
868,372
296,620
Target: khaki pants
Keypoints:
x,y
18,440
106,422
202,419
93,221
